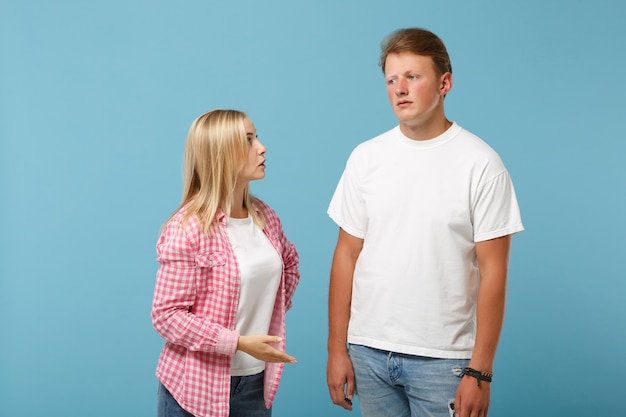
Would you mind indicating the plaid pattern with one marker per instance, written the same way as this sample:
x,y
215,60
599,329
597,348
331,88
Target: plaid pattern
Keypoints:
x,y
194,307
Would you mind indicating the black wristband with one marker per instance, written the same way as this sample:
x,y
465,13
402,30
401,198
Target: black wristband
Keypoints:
x,y
480,376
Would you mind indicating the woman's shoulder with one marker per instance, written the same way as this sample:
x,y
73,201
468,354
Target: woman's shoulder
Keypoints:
x,y
181,216
265,210
260,205
181,223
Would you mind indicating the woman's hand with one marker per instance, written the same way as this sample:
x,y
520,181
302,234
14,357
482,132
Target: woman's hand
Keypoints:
x,y
259,347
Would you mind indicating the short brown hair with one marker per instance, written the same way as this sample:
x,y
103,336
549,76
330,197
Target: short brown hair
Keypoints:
x,y
420,42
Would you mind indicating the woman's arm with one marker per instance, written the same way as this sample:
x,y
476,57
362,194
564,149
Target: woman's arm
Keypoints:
x,y
175,294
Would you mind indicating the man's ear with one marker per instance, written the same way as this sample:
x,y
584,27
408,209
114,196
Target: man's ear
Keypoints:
x,y
446,83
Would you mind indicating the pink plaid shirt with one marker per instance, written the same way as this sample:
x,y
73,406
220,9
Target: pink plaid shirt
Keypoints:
x,y
194,307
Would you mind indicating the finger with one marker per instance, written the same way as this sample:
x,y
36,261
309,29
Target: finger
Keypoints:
x,y
276,355
347,403
338,397
350,387
473,411
458,407
288,358
336,392
271,339
283,356
459,404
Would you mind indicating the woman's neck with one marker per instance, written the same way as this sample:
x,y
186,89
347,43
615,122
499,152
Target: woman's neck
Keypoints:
x,y
238,209
239,212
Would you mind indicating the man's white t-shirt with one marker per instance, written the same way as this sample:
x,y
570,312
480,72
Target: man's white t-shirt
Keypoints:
x,y
420,206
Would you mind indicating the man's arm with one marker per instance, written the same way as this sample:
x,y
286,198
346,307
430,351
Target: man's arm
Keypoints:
x,y
339,372
493,261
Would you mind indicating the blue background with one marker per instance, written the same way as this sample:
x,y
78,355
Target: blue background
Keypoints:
x,y
95,101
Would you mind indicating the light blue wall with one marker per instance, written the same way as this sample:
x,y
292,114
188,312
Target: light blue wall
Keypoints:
x,y
95,101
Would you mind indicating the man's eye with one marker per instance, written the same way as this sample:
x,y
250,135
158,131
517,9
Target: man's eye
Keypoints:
x,y
391,81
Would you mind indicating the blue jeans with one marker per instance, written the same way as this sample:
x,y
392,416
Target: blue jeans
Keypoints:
x,y
399,385
246,399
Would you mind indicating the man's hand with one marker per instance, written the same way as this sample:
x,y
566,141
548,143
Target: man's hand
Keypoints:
x,y
259,347
339,371
493,258
472,400
340,379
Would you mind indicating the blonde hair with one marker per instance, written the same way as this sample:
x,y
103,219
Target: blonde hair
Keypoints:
x,y
215,152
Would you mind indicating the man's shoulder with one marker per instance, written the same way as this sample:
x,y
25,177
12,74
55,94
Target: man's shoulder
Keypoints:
x,y
384,136
473,143
374,143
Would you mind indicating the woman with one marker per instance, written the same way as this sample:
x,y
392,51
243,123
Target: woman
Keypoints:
x,y
226,278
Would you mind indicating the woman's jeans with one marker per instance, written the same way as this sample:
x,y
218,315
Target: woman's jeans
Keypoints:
x,y
398,385
246,399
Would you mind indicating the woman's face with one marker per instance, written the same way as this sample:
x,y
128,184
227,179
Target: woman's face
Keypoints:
x,y
254,167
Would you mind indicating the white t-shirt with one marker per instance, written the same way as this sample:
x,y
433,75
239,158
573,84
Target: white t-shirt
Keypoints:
x,y
420,206
260,268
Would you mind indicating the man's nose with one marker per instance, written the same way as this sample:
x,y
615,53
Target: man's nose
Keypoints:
x,y
401,88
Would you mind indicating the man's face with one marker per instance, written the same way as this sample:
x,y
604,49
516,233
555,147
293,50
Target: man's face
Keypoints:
x,y
414,88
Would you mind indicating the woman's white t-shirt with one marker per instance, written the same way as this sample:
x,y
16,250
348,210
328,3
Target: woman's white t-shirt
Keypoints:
x,y
260,270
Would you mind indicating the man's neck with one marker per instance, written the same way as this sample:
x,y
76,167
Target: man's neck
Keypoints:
x,y
426,131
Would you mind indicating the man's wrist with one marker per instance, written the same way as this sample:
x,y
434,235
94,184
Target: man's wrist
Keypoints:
x,y
478,375
337,347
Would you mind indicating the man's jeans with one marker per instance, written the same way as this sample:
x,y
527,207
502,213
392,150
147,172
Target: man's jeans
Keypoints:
x,y
246,399
398,385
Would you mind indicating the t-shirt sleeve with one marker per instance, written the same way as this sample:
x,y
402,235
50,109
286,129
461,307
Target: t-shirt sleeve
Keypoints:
x,y
347,207
495,210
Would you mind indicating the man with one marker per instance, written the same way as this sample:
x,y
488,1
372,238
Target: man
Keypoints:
x,y
418,281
